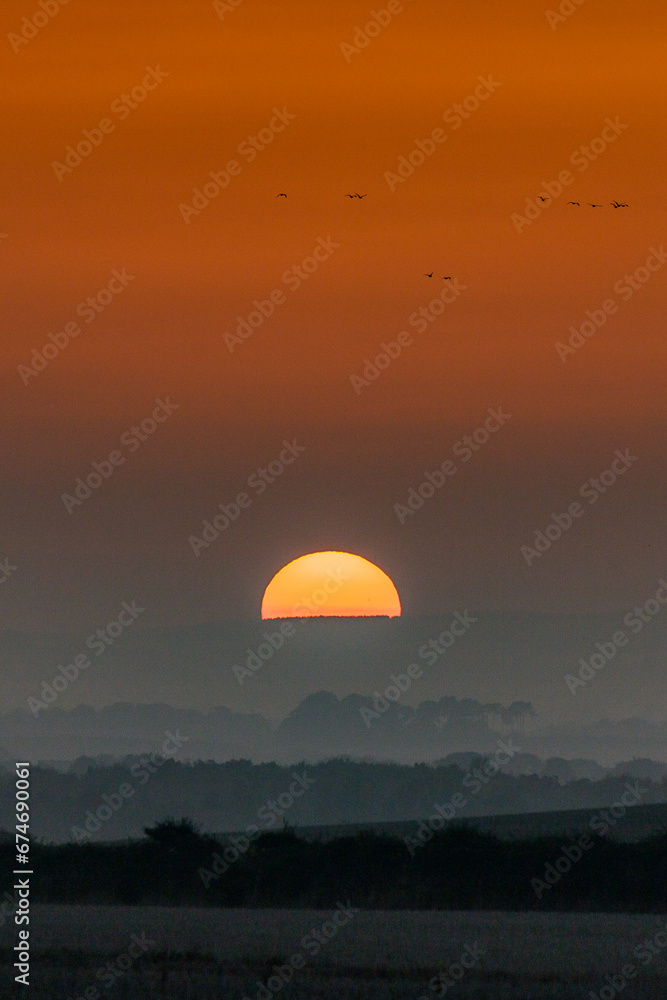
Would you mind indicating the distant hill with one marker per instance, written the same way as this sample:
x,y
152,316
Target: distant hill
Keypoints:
x,y
502,657
637,824
323,726
117,801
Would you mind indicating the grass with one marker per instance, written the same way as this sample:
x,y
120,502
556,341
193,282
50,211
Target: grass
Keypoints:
x,y
220,954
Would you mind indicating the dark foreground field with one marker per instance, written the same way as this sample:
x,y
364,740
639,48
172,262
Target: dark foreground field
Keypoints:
x,y
224,954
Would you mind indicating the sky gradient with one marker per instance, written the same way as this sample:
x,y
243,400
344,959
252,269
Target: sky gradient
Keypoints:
x,y
151,379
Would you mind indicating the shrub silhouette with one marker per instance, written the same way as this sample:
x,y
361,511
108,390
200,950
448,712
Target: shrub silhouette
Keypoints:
x,y
458,868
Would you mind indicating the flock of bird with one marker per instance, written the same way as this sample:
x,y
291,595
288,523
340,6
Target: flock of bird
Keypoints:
x,y
283,195
448,277
616,204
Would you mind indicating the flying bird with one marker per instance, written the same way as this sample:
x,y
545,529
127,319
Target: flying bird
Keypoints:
x,y
428,275
594,206
446,277
574,203
541,198
281,196
619,204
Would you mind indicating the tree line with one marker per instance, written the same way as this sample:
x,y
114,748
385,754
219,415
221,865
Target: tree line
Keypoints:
x,y
119,801
459,867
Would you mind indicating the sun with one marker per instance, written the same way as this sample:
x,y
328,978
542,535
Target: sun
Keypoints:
x,y
330,584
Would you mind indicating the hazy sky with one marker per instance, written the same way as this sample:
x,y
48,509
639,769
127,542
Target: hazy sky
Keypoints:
x,y
341,122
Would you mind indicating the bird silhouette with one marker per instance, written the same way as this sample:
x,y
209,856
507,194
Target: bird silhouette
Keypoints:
x,y
619,204
350,196
360,195
281,195
428,275
594,206
541,198
446,277
574,203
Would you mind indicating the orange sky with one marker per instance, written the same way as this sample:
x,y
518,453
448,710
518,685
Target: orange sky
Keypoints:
x,y
163,336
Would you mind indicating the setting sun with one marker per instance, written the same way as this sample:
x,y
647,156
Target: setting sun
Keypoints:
x,y
331,584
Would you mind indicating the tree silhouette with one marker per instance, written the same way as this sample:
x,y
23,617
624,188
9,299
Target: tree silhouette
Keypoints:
x,y
515,715
175,837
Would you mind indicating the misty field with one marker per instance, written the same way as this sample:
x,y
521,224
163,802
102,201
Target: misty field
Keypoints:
x,y
216,954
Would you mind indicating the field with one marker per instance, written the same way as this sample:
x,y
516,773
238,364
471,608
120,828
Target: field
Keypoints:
x,y
638,823
216,954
